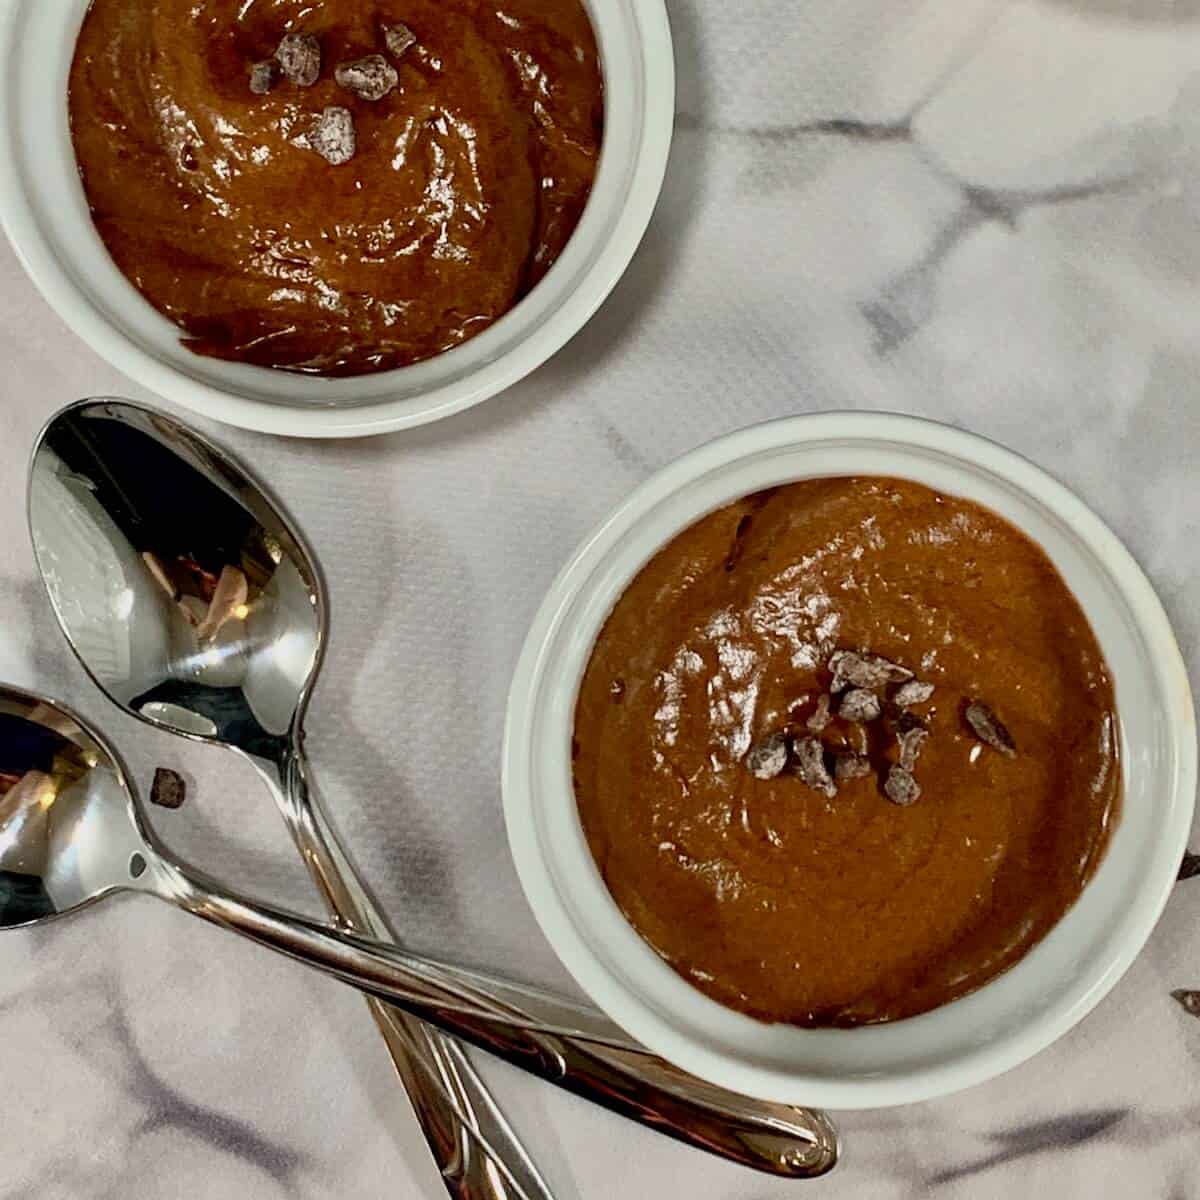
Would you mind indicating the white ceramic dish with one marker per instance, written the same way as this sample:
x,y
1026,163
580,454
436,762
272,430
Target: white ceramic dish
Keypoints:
x,y
961,1043
45,215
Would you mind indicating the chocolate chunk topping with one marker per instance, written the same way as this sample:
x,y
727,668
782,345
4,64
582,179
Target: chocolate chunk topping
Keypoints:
x,y
864,671
369,78
912,735
847,766
987,727
264,76
819,720
399,39
915,691
1190,1000
299,57
1190,865
810,765
860,705
168,789
332,137
901,788
769,757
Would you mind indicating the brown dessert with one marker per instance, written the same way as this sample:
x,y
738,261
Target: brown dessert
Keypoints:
x,y
335,186
846,750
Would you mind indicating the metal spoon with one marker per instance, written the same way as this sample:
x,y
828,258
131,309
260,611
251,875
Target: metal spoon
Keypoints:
x,y
154,505
72,832
196,607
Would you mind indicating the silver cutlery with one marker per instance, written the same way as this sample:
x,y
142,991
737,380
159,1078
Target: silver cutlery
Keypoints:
x,y
72,832
195,606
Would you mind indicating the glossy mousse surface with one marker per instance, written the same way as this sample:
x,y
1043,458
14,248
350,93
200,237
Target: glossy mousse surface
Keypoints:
x,y
798,906
467,180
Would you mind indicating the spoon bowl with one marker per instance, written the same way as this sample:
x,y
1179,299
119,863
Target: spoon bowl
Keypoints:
x,y
69,831
187,597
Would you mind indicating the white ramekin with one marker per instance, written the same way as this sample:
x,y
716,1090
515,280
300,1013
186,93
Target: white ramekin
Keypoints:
x,y
961,1043
45,215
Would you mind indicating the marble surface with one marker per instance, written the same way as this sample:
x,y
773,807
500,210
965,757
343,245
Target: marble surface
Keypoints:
x,y
984,212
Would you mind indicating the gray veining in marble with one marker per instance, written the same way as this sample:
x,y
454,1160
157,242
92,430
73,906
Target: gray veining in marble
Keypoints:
x,y
982,211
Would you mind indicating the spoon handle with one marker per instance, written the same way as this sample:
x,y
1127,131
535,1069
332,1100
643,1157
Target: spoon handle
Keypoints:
x,y
598,1062
477,1153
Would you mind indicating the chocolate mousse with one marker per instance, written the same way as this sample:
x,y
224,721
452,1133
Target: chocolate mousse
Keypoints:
x,y
335,186
846,750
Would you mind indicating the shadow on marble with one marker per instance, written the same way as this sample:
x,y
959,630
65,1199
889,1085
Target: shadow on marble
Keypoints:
x,y
656,261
